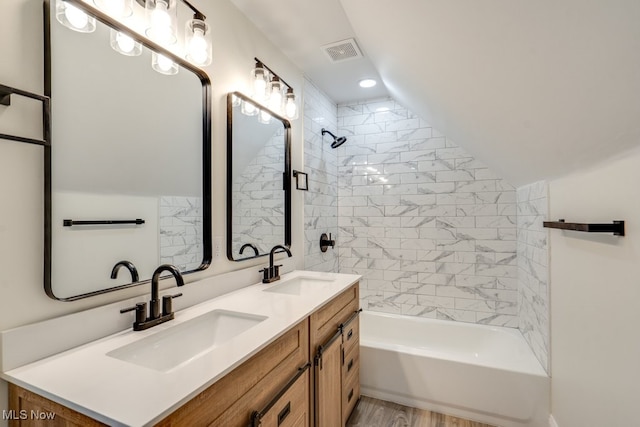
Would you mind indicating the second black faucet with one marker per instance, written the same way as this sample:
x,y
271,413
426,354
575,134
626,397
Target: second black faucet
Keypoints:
x,y
272,273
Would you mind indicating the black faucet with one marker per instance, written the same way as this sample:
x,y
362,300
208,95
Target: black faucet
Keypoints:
x,y
272,273
129,266
249,245
156,317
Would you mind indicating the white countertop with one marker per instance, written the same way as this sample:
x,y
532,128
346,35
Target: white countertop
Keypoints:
x,y
121,393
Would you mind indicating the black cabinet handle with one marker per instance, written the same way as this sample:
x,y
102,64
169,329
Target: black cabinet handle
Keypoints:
x,y
350,396
350,365
284,413
350,334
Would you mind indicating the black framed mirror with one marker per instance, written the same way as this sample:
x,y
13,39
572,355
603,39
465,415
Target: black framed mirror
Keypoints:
x,y
128,171
258,179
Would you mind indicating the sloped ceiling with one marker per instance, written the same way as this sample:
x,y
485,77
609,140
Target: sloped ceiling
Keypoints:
x,y
535,89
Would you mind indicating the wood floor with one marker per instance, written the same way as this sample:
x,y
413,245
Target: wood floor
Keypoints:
x,y
377,413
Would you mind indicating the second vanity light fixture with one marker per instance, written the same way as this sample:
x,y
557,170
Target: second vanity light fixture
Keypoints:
x,y
272,91
160,26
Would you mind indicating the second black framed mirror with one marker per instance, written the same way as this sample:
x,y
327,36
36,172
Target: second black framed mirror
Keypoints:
x,y
258,179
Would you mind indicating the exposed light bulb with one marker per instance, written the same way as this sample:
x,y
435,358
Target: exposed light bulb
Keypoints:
x,y
259,75
116,8
198,47
275,95
161,26
291,109
75,16
163,65
248,109
125,43
264,117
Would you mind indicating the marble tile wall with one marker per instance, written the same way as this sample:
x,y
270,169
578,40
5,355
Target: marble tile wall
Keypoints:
x,y
321,163
181,232
431,229
258,200
533,268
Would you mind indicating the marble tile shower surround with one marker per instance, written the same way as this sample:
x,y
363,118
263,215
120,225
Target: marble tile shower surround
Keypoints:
x,y
181,231
533,268
258,199
321,163
431,229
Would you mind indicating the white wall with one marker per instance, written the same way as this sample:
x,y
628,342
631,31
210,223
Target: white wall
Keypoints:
x,y
595,290
22,298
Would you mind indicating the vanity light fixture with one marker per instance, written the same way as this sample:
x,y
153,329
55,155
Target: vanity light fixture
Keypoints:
x,y
124,44
248,109
116,8
197,40
275,94
74,18
162,16
367,83
264,117
290,106
269,89
259,82
163,65
160,27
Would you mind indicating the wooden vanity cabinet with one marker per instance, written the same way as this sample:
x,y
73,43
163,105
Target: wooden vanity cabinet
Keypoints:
x,y
231,401
335,346
278,383
31,409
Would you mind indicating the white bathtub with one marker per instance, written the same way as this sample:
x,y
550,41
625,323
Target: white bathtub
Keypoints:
x,y
478,372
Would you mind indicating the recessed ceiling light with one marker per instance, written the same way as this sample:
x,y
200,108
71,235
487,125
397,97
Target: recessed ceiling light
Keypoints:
x,y
367,83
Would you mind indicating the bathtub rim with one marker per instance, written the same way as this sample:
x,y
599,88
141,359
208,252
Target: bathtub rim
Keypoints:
x,y
536,369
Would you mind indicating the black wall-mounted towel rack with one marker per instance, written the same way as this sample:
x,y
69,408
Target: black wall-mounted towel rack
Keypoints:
x,y
71,222
5,99
617,227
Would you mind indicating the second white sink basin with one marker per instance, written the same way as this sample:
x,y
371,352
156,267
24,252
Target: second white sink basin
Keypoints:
x,y
299,285
176,346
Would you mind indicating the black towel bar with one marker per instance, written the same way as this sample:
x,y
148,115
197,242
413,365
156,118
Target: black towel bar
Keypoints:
x,y
5,99
617,227
71,222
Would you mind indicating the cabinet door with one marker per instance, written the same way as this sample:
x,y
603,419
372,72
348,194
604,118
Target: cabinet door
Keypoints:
x,y
289,407
328,387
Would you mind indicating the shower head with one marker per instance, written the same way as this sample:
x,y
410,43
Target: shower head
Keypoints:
x,y
337,141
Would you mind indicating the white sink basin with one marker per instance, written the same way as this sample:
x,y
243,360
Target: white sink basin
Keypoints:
x,y
176,346
299,285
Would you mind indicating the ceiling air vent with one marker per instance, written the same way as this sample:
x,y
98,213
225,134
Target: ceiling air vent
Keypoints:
x,y
342,50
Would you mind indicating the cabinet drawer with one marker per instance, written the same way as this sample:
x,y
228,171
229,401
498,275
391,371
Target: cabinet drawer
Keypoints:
x,y
351,365
326,321
291,409
350,396
351,333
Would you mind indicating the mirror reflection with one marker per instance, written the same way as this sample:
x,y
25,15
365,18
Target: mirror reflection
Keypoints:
x,y
130,151
258,186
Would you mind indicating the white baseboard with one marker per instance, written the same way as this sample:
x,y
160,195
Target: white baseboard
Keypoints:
x,y
552,421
